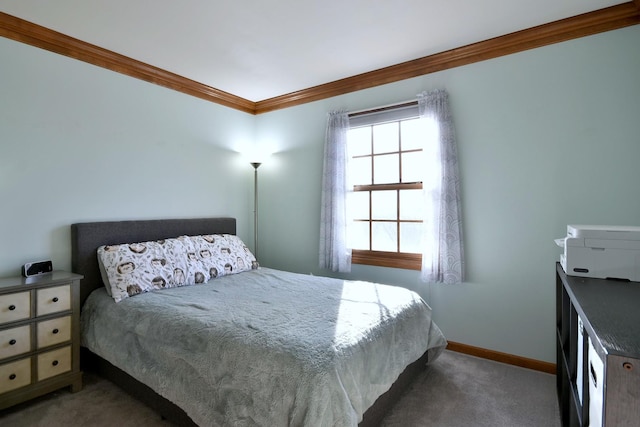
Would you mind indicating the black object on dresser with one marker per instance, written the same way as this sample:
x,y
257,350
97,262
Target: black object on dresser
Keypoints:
x,y
598,351
39,336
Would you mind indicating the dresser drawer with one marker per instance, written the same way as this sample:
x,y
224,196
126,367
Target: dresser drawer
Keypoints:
x,y
15,375
53,300
54,331
39,339
15,341
15,307
54,363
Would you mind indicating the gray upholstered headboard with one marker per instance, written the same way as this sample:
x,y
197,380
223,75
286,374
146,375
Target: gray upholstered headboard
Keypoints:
x,y
87,237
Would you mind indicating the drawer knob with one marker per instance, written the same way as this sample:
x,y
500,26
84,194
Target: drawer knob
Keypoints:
x,y
54,363
12,307
12,342
55,299
55,331
627,366
12,376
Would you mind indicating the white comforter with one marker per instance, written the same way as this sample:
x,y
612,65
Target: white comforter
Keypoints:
x,y
265,347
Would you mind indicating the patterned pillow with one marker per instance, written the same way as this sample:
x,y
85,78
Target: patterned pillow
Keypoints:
x,y
228,253
132,268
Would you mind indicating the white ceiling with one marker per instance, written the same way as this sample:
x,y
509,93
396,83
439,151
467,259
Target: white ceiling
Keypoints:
x,y
259,49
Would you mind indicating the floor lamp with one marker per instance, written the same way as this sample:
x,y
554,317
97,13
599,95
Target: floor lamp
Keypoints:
x,y
255,165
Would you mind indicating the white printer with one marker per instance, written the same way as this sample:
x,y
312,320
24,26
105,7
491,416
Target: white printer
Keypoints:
x,y
601,251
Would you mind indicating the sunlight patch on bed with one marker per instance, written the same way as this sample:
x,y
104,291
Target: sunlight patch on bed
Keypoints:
x,y
362,308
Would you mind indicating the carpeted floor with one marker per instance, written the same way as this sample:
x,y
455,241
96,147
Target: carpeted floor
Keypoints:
x,y
457,390
460,390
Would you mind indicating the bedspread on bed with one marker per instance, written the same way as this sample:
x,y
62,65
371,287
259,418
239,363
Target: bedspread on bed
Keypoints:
x,y
265,347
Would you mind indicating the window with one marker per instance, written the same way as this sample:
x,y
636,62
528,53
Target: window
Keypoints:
x,y
385,150
376,164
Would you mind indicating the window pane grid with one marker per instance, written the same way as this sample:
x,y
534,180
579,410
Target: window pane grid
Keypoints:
x,y
390,229
398,223
372,153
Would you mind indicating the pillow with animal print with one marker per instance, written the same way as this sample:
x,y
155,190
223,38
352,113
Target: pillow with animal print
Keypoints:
x,y
224,254
133,268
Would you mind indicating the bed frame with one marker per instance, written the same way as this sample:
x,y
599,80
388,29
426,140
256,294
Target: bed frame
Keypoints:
x,y
87,237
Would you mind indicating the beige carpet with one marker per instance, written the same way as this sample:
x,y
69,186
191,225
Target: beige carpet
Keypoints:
x,y
457,390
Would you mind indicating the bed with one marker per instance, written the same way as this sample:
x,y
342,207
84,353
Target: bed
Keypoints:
x,y
257,347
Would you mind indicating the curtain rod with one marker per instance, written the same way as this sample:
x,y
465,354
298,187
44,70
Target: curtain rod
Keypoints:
x,y
382,108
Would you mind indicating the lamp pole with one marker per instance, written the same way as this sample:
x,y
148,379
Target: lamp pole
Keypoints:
x,y
255,165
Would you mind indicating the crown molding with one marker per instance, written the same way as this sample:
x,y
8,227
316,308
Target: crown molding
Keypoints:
x,y
38,36
599,21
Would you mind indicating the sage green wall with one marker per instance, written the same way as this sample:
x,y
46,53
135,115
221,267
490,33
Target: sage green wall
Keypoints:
x,y
80,143
546,137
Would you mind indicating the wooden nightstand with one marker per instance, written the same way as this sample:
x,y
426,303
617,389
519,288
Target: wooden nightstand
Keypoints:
x,y
39,336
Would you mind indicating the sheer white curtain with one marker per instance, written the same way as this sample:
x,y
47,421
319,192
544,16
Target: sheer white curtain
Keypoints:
x,y
443,256
334,253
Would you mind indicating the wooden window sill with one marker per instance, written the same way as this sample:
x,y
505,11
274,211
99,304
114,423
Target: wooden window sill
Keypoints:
x,y
387,259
